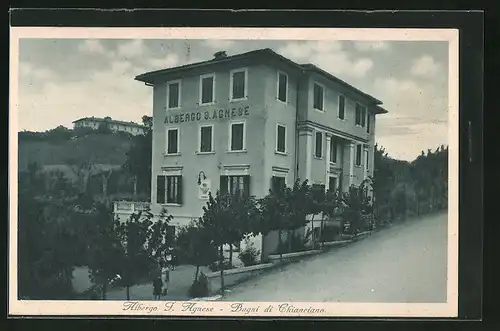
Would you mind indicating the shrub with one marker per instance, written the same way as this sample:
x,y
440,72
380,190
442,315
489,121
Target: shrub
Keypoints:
x,y
215,266
329,233
199,288
298,243
249,255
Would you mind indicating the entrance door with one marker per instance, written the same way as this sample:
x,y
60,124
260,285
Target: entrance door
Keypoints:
x,y
332,183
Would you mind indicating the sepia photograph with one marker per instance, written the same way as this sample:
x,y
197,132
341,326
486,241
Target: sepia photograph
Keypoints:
x,y
261,172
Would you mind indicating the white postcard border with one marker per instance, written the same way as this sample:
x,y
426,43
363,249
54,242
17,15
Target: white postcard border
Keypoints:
x,y
216,308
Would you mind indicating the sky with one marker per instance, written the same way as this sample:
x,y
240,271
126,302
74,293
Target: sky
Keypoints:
x,y
61,80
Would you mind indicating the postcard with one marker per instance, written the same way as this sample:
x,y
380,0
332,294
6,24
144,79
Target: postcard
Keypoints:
x,y
262,172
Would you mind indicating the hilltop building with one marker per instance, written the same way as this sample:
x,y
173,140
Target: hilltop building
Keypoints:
x,y
248,122
113,125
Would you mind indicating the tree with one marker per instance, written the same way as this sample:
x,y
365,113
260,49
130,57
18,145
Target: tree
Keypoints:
x,y
105,178
143,247
196,247
105,251
327,209
46,249
244,212
224,223
138,162
296,210
82,171
158,241
315,205
274,209
355,203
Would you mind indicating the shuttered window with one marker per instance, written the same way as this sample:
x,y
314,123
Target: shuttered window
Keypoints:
x,y
169,189
238,79
173,95
282,86
341,107
281,138
358,154
333,150
277,183
237,136
318,97
360,115
357,115
318,152
172,141
206,138
207,89
235,185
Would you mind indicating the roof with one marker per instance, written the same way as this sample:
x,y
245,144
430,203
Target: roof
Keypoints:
x,y
149,77
109,120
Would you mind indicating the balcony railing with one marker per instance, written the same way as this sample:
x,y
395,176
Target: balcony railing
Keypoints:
x,y
130,207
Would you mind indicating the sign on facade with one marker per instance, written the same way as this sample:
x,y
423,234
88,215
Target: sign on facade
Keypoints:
x,y
217,114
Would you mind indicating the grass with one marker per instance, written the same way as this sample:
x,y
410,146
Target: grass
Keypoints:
x,y
112,150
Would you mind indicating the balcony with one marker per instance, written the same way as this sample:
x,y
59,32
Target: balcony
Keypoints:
x,y
130,207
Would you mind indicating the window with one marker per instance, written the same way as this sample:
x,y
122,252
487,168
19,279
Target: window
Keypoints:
x,y
282,86
368,118
206,138
318,97
357,117
333,150
173,141
238,84
173,95
207,89
235,185
281,138
358,155
169,189
367,158
341,113
237,136
318,151
277,183
360,115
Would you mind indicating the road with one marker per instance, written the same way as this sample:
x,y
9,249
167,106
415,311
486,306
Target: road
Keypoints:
x,y
406,263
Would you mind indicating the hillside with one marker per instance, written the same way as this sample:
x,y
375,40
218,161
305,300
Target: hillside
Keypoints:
x,y
99,148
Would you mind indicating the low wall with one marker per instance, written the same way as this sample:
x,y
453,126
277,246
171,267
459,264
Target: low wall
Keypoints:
x,y
289,257
336,243
235,276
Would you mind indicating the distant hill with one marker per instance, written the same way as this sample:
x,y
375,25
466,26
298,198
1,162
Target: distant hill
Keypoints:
x,y
55,147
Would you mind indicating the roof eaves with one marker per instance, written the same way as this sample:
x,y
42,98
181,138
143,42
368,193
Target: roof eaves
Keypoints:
x,y
312,67
380,110
148,77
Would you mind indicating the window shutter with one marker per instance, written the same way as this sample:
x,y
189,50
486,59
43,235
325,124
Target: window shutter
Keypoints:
x,y
160,189
368,124
223,185
180,191
246,186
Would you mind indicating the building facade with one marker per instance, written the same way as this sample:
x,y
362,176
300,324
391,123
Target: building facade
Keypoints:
x,y
248,121
114,125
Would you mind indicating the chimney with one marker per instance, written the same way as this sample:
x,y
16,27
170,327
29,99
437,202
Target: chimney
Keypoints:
x,y
220,55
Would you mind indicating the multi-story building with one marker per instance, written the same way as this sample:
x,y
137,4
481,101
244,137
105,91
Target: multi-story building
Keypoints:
x,y
249,120
114,125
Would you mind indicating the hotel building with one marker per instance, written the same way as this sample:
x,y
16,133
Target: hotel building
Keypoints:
x,y
248,122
